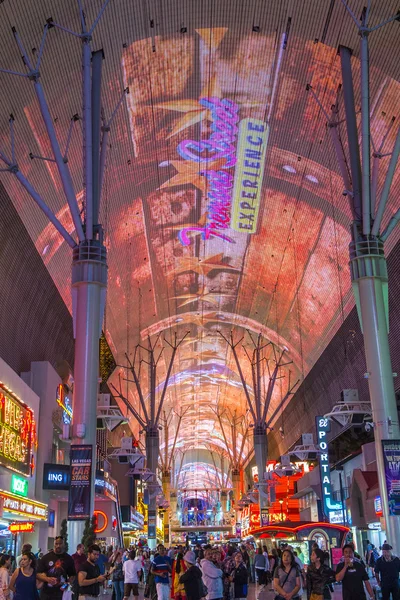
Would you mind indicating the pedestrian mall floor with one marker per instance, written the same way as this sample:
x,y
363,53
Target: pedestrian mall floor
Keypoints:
x,y
256,592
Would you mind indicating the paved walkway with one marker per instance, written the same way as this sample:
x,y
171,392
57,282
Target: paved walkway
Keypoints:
x,y
254,593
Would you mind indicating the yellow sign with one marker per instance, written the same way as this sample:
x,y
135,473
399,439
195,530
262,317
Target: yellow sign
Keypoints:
x,y
23,506
250,165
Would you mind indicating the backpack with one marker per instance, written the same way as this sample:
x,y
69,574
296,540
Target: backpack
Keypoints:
x,y
203,589
373,557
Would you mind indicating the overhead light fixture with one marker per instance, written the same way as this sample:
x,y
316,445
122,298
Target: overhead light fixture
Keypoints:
x,y
312,178
289,169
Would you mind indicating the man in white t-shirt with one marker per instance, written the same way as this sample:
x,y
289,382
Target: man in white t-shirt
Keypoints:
x,y
131,569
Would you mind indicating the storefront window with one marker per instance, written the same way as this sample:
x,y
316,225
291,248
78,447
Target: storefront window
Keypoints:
x,y
321,540
6,539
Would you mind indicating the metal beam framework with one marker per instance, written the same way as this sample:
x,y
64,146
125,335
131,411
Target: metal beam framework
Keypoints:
x,y
261,363
151,408
367,257
89,257
237,458
166,460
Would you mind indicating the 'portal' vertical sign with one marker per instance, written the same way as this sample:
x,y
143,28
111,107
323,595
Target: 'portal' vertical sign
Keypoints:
x,y
323,427
81,477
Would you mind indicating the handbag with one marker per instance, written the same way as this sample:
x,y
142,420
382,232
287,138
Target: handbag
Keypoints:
x,y
203,589
278,596
67,595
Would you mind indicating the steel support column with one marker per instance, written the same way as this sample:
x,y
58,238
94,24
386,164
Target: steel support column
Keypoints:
x,y
236,483
166,484
89,282
261,453
370,284
152,451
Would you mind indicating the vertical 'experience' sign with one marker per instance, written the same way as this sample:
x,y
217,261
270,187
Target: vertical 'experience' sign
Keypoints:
x,y
81,477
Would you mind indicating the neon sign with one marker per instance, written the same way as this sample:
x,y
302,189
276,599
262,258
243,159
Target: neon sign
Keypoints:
x,y
22,506
323,427
218,148
22,527
252,148
100,529
378,506
17,433
19,486
65,403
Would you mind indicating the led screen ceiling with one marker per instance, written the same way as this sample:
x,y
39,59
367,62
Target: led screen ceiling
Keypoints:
x,y
222,202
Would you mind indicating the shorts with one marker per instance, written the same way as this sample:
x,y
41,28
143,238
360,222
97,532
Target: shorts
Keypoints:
x,y
131,587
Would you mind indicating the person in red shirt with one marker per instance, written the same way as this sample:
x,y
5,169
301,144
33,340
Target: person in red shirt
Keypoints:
x,y
79,557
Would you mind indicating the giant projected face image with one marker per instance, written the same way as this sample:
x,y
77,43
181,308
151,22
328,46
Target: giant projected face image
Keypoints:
x,y
222,204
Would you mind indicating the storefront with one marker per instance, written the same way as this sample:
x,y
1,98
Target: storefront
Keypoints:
x,y
20,513
18,517
132,525
107,511
302,536
364,510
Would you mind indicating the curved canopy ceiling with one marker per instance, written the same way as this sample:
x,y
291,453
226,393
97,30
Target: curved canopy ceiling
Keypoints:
x,y
274,263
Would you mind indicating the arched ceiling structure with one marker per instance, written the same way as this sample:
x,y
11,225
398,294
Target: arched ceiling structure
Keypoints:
x,y
279,268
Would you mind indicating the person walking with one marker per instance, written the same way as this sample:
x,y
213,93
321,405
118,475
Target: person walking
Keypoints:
x,y
117,576
161,568
319,576
239,577
55,569
23,582
146,566
131,569
286,577
212,576
387,570
261,567
191,579
89,579
79,557
251,552
25,548
5,563
178,568
353,576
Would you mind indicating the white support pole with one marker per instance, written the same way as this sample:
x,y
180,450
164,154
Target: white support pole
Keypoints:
x,y
87,140
13,168
97,61
365,137
89,282
62,167
369,275
386,187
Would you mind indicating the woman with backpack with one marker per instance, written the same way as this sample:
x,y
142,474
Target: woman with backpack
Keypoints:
x,y
239,577
191,578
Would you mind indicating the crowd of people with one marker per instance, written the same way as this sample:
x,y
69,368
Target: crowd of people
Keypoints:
x,y
212,572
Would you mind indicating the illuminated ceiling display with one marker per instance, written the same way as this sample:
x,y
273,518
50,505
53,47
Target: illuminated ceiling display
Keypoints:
x,y
223,206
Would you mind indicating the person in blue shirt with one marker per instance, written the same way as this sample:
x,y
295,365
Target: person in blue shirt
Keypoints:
x,y
161,568
101,563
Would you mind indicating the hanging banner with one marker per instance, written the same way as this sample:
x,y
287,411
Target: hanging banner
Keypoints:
x,y
264,517
81,477
391,461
